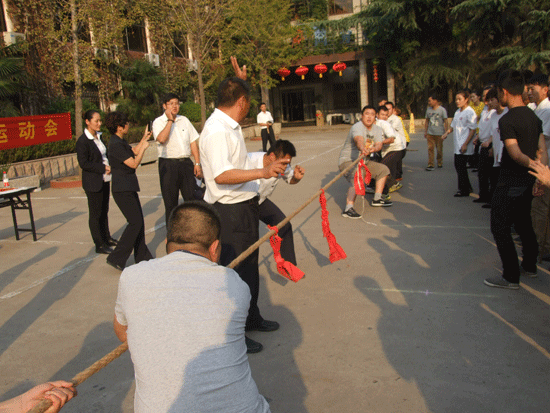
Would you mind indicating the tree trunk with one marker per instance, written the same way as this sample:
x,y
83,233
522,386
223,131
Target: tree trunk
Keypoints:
x,y
201,92
265,97
77,77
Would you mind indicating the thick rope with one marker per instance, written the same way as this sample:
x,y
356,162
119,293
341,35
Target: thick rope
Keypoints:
x,y
116,353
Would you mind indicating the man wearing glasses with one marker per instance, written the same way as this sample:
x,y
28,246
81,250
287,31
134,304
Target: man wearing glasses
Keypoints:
x,y
177,140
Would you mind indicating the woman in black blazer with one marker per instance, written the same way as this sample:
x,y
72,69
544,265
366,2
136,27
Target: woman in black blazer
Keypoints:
x,y
124,161
96,177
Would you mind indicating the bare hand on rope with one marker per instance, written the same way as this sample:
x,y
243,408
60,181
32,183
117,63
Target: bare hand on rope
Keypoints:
x,y
57,393
240,73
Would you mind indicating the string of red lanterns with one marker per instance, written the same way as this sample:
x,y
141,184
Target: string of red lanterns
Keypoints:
x,y
321,68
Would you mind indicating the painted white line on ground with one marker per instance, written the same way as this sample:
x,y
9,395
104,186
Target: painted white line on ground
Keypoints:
x,y
321,154
13,241
48,278
63,270
427,292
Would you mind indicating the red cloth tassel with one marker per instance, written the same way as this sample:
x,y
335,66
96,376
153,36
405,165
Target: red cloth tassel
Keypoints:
x,y
336,251
285,268
357,181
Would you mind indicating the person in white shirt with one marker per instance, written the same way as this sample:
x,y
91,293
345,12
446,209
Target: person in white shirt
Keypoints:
x,y
537,89
391,150
232,188
397,124
265,121
485,162
270,214
464,126
495,143
177,141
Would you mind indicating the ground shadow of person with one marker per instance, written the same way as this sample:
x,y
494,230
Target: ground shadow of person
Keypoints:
x,y
23,221
10,274
154,206
54,290
106,390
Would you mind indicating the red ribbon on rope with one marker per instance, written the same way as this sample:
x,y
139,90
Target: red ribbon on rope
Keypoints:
x,y
336,251
285,268
357,181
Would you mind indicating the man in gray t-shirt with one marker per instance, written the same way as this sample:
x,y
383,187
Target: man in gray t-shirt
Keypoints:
x,y
436,124
184,316
363,139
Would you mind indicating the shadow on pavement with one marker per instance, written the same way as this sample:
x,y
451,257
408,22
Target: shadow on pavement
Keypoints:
x,y
9,275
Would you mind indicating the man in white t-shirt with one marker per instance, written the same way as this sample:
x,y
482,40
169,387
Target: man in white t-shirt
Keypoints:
x,y
391,150
177,141
232,188
485,161
265,121
397,124
185,324
270,214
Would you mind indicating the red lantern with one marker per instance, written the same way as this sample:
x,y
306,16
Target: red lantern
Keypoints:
x,y
339,67
320,69
302,71
283,72
375,73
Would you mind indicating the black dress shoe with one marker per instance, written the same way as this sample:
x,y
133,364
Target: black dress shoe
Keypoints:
x,y
112,264
112,242
104,249
265,326
459,194
252,346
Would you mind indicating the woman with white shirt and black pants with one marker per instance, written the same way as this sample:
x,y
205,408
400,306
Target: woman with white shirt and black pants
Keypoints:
x,y
464,126
91,153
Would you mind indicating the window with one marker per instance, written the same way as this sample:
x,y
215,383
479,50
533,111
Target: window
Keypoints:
x,y
340,7
134,38
346,95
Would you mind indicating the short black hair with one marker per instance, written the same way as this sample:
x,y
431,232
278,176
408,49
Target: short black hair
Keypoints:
x,y
194,222
382,108
115,119
390,103
168,97
231,90
89,114
465,93
540,80
282,148
381,98
263,103
368,107
492,94
434,96
512,81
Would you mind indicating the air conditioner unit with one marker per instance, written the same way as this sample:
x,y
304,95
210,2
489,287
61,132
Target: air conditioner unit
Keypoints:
x,y
153,59
103,54
13,37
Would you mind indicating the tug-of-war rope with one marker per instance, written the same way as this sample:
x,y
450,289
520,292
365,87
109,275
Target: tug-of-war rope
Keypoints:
x,y
284,268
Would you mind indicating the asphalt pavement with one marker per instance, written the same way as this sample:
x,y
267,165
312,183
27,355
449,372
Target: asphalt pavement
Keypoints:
x,y
404,324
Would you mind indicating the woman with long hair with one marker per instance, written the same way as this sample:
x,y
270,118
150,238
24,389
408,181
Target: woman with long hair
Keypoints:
x,y
91,153
124,161
464,126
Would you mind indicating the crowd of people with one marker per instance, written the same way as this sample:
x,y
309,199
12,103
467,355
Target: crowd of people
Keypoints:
x,y
186,326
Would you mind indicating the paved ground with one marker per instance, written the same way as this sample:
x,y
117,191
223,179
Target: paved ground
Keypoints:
x,y
404,324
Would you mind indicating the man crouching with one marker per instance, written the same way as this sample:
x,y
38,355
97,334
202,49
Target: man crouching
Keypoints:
x,y
184,316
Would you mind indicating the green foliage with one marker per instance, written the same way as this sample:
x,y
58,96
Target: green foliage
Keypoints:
x,y
64,104
191,110
142,84
11,71
45,150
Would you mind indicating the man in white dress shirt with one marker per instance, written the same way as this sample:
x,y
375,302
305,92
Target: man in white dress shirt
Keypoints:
x,y
232,188
265,121
177,141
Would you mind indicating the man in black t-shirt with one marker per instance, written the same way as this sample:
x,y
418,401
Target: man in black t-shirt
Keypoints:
x,y
521,133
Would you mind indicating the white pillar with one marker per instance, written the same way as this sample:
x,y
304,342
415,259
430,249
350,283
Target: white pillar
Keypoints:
x,y
9,22
391,84
150,48
363,83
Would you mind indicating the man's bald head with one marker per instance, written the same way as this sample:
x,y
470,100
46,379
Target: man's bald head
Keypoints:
x,y
193,226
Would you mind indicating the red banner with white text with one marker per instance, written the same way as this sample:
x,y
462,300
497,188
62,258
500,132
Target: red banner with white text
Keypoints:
x,y
22,131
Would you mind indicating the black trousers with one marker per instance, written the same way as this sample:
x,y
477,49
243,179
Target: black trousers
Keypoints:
x,y
485,166
391,160
240,229
267,133
98,218
512,206
461,162
176,175
400,163
270,214
133,237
